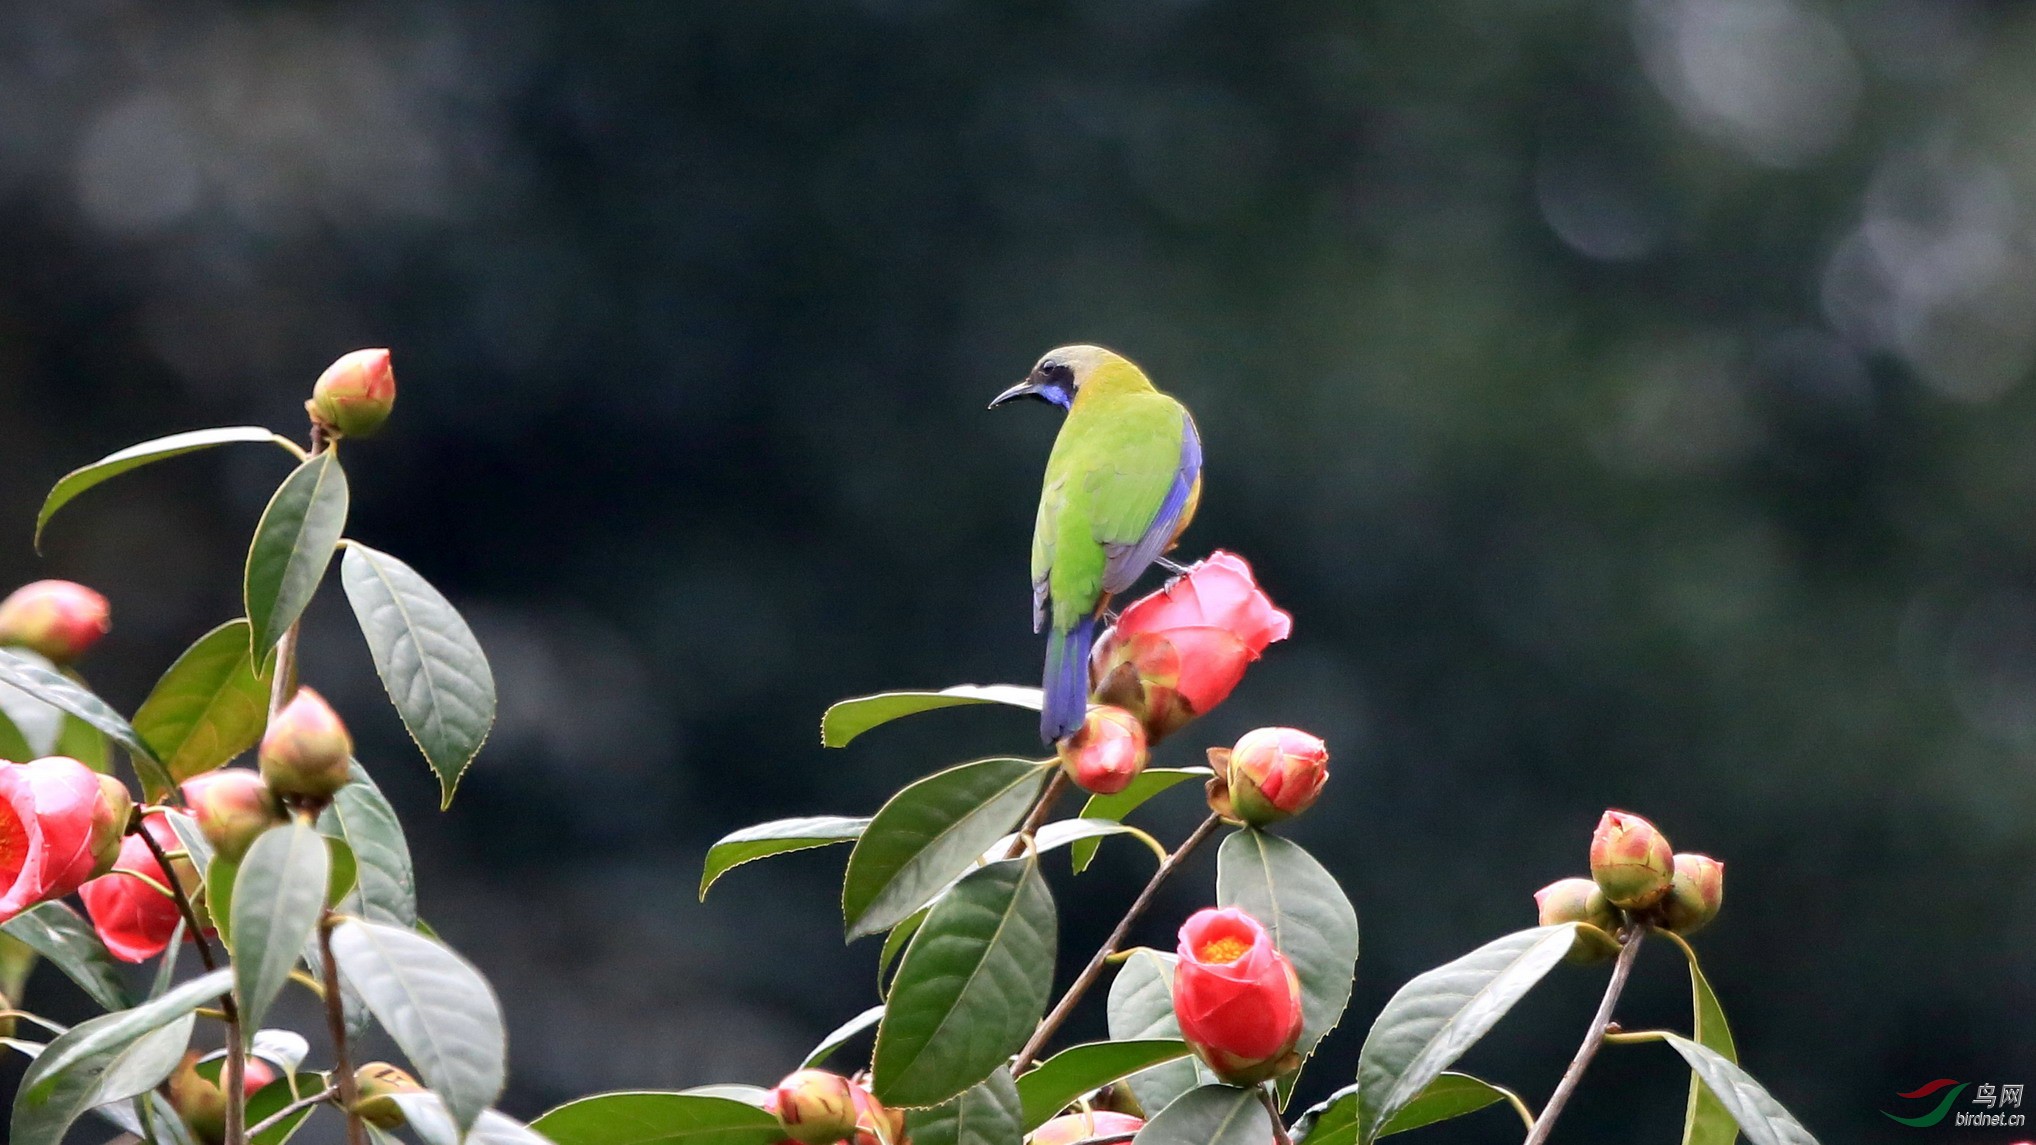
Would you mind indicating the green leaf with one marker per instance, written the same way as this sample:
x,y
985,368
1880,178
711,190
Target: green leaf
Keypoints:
x,y
776,838
220,874
270,1100
84,743
1143,787
929,833
1450,1095
1433,1019
896,942
39,724
345,872
385,889
293,543
840,1035
972,986
54,688
63,1082
850,718
1706,1120
57,933
1210,1115
1076,832
1140,1008
135,456
1311,920
659,1119
1759,1115
277,898
1067,1075
428,659
196,847
435,1005
109,1032
209,707
983,1114
13,743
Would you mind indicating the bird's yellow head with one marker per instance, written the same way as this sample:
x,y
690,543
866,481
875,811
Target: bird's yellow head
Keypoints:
x,y
1064,373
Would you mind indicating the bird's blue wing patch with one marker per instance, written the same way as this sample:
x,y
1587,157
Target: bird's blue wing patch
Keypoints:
x,y
1126,563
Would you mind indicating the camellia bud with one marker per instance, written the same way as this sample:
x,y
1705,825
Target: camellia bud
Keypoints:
x,y
1106,753
201,1101
1275,773
1695,894
109,823
1236,997
306,752
232,806
814,1106
1630,860
58,619
376,1083
875,1124
1082,1126
1580,900
354,394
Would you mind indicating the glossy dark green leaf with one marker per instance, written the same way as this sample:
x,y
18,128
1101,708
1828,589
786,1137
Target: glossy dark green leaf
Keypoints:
x,y
850,718
435,1005
837,1037
277,898
1706,1121
429,661
895,944
209,707
986,1113
53,1096
1433,1019
659,1119
1066,1076
61,935
54,688
84,743
136,456
293,543
1210,1115
1760,1116
385,886
345,873
1145,785
1311,920
928,834
970,988
13,742
109,1032
1141,1008
270,1100
39,724
219,876
1450,1095
777,837
197,848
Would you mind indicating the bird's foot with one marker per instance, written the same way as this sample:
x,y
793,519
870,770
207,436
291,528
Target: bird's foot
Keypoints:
x,y
1173,567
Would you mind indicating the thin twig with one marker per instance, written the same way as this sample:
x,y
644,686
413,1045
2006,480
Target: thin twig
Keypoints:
x,y
335,1022
1272,1110
1595,1037
235,1081
297,1106
1047,799
1089,973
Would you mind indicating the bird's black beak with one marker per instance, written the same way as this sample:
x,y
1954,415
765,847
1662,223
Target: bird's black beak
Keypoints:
x,y
1038,386
1025,389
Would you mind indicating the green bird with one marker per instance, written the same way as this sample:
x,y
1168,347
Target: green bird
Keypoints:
x,y
1124,479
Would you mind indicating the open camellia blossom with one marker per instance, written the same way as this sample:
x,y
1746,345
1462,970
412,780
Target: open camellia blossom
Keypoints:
x,y
47,812
134,919
1236,996
1178,653
1083,1126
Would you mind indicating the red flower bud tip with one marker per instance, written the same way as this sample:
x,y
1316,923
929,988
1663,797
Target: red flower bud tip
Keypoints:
x,y
1106,753
1236,997
1630,860
58,619
1276,773
1179,652
201,1099
110,817
133,917
874,1124
1580,901
306,752
814,1106
1082,1126
377,1082
354,394
232,806
1695,894
47,812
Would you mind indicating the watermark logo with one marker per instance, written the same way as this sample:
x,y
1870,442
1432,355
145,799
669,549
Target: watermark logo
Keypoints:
x,y
1993,1100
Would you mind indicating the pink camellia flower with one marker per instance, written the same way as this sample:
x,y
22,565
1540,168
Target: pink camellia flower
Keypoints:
x,y
1236,996
306,752
814,1106
354,395
201,1101
58,619
1106,753
1178,653
875,1124
47,812
1276,773
1082,1126
232,806
1694,894
134,919
1631,860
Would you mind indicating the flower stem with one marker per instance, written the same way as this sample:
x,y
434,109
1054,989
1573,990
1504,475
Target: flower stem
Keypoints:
x,y
335,1023
1272,1110
1089,973
1595,1037
302,1103
1038,814
235,1082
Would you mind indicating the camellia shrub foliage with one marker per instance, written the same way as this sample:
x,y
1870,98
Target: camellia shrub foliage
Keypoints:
x,y
232,884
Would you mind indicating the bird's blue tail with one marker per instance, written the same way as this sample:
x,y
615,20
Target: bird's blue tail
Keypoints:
x,y
1067,680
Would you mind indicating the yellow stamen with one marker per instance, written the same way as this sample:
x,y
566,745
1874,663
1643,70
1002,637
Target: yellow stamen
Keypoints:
x,y
1225,950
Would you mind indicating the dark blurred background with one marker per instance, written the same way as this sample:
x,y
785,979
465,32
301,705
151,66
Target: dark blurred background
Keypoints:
x,y
1629,399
